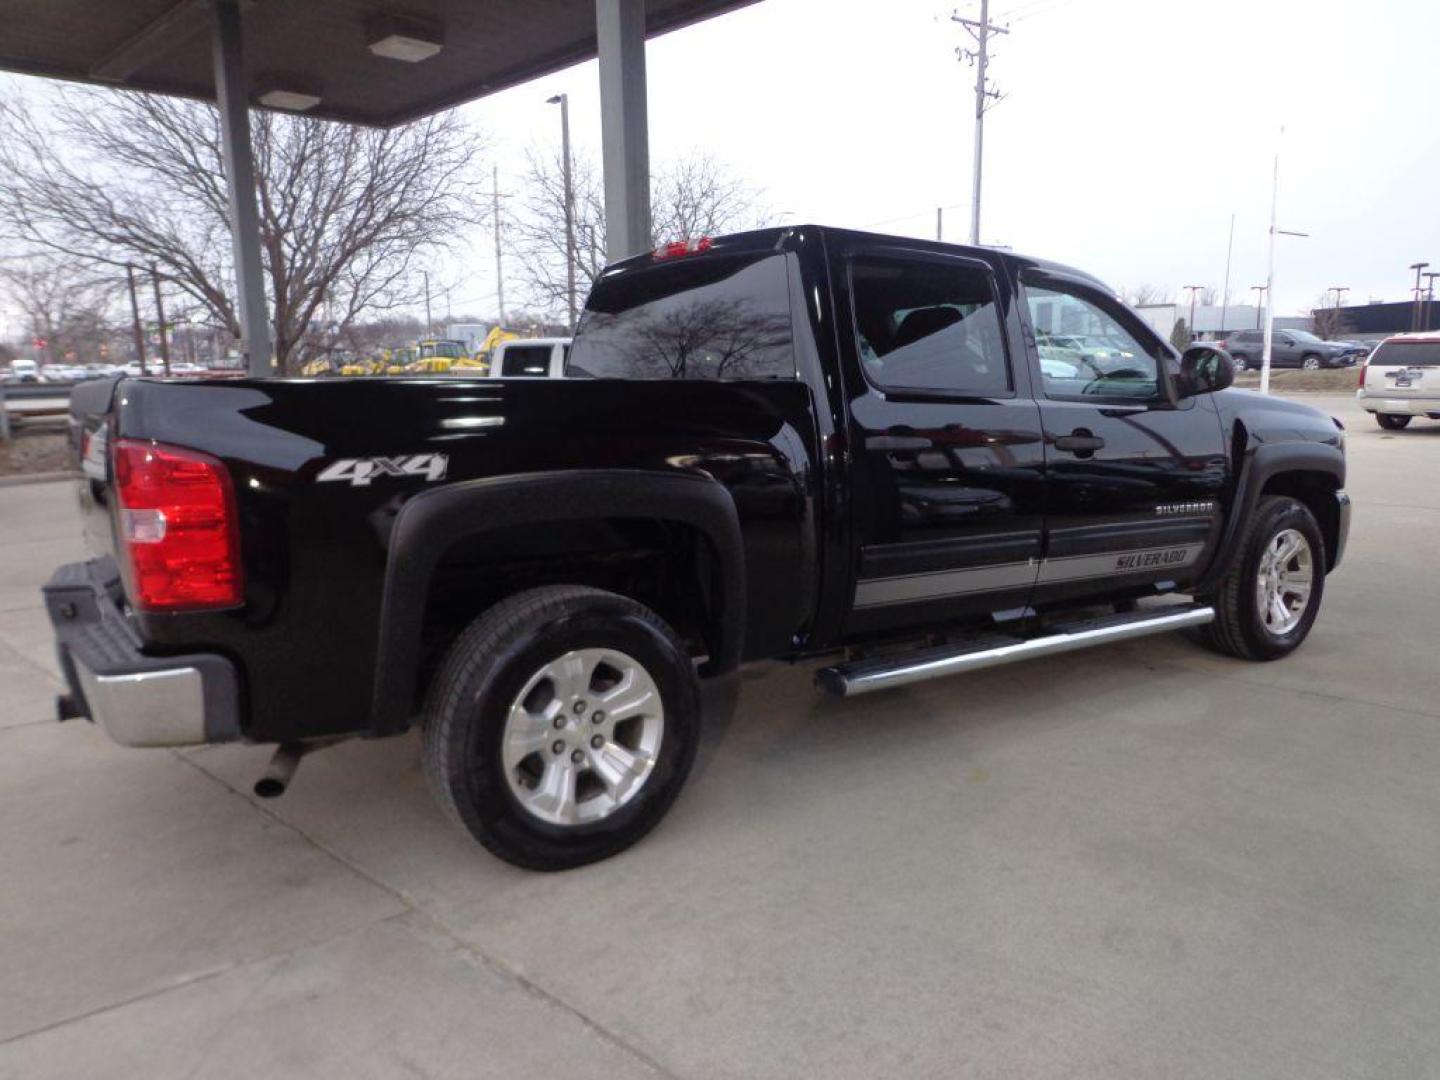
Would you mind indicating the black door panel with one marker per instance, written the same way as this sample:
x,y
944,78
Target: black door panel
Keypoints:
x,y
1134,478
948,457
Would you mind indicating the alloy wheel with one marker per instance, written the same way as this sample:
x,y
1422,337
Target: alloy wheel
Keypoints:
x,y
1284,581
582,736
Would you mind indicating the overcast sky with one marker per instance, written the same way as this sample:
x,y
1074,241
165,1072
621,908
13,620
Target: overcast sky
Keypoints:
x,y
1129,133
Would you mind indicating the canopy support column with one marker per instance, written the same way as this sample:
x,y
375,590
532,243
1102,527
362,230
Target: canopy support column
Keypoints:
x,y
233,100
624,129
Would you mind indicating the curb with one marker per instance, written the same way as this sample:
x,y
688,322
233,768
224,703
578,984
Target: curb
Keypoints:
x,y
37,478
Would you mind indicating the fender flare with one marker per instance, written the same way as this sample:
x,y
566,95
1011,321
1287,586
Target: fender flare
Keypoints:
x,y
432,522
1261,461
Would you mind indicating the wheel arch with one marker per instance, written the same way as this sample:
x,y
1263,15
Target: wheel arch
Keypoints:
x,y
432,524
1312,472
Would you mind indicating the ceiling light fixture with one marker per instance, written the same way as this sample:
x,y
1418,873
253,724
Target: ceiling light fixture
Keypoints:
x,y
289,100
410,40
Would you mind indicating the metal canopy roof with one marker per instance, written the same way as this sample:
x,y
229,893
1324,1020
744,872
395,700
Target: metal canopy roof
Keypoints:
x,y
318,46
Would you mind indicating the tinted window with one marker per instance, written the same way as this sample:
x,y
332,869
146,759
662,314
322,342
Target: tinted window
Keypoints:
x,y
1407,354
1086,350
707,317
1250,335
525,360
922,324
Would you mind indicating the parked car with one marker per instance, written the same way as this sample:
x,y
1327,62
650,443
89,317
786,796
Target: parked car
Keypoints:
x,y
23,371
530,358
791,443
1401,380
1290,348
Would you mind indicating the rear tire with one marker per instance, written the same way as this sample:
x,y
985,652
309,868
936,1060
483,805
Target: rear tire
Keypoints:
x,y
1245,627
533,738
1241,361
1311,362
1392,421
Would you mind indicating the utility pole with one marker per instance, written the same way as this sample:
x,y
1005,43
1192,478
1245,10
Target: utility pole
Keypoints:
x,y
1193,290
135,317
1415,310
499,265
1429,296
160,317
1225,292
980,57
939,223
563,100
1259,291
429,325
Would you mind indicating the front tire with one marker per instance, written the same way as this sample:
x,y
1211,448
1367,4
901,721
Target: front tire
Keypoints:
x,y
1268,600
1311,363
562,726
1393,421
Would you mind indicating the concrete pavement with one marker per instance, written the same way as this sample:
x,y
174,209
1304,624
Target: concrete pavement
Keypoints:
x,y
1134,862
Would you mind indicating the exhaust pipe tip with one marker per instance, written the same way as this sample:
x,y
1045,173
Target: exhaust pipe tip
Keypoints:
x,y
270,787
278,774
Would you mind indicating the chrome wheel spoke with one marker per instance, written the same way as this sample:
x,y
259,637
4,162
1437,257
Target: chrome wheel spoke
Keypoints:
x,y
526,733
618,768
555,793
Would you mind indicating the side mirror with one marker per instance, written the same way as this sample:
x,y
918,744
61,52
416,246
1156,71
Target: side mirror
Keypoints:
x,y
1204,369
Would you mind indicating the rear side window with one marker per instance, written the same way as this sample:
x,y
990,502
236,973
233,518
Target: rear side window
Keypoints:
x,y
925,324
1407,354
531,360
709,317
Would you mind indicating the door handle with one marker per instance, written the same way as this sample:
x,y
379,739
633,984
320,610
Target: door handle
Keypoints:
x,y
1080,441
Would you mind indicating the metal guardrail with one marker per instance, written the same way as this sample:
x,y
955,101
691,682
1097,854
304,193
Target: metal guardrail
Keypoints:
x,y
15,399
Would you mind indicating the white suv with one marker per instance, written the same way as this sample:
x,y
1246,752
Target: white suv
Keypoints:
x,y
1401,380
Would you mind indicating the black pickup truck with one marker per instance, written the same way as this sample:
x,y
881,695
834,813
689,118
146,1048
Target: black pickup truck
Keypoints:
x,y
791,443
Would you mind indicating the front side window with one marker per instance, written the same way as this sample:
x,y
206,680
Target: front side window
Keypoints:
x,y
924,324
713,316
1087,351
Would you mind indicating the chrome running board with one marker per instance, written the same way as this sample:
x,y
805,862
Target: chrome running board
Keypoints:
x,y
885,672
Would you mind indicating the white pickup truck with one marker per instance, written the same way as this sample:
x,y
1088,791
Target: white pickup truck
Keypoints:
x,y
530,358
1401,380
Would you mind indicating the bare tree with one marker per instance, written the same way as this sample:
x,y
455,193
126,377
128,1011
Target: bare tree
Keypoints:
x,y
691,197
1329,321
345,212
1209,296
64,304
1145,294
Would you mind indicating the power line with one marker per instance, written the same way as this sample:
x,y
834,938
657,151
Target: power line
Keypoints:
x,y
985,96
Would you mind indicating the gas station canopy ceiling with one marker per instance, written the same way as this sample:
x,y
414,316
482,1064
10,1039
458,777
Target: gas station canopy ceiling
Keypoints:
x,y
367,61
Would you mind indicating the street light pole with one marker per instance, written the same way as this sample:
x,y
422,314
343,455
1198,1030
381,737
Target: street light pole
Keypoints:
x,y
1259,291
1270,275
1415,310
1339,291
1429,297
1193,290
563,100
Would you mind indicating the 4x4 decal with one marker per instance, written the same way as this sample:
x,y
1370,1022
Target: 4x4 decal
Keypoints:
x,y
358,472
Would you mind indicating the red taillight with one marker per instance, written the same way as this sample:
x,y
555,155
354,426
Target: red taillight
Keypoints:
x,y
1361,384
179,537
676,248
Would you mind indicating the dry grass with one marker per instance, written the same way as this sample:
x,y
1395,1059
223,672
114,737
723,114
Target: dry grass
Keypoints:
x,y
1290,380
34,449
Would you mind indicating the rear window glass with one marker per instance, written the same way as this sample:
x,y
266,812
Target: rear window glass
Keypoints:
x,y
710,317
1407,354
525,360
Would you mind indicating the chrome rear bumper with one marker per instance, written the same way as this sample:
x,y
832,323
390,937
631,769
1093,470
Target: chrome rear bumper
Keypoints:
x,y
140,700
